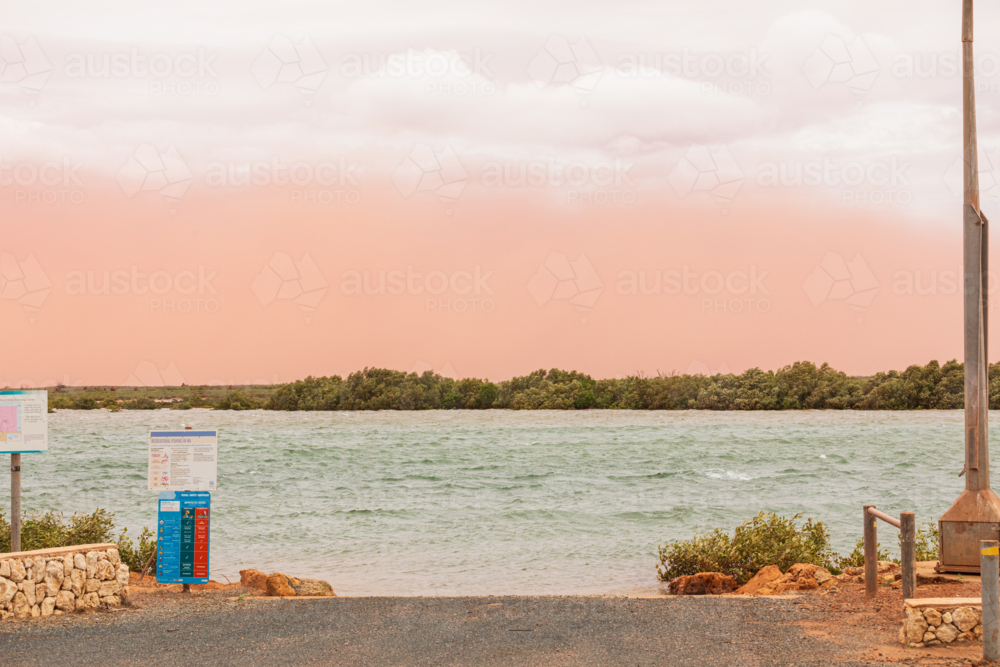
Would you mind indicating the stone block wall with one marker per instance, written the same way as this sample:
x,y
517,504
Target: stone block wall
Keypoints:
x,y
58,581
941,621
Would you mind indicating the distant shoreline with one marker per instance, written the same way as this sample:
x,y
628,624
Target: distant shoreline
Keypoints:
x,y
799,386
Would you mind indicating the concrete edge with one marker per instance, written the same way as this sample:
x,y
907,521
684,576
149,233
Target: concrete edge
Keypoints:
x,y
629,597
58,551
941,603
285,597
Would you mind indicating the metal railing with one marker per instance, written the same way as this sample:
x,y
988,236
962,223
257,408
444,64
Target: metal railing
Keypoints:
x,y
907,525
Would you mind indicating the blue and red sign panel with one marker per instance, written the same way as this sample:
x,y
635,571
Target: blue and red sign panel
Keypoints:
x,y
183,537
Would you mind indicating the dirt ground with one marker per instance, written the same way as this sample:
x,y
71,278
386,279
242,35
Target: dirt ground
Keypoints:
x,y
869,628
145,592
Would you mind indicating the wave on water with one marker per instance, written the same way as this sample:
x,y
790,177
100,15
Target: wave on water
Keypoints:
x,y
728,474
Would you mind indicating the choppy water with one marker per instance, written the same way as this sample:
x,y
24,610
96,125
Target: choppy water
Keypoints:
x,y
449,503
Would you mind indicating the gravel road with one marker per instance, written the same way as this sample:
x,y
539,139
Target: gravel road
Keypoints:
x,y
206,629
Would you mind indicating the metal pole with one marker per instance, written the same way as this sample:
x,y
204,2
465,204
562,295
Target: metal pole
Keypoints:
x,y
989,566
885,517
871,554
15,502
975,243
976,513
908,552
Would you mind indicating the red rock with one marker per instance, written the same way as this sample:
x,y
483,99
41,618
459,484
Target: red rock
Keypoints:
x,y
703,583
800,577
312,587
279,584
762,579
253,579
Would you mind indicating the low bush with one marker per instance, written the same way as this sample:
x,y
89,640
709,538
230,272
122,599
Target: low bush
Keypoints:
x,y
926,548
766,539
927,541
47,530
141,403
237,400
67,403
137,557
857,557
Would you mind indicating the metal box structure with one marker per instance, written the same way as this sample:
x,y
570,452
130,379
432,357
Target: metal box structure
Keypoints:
x,y
973,517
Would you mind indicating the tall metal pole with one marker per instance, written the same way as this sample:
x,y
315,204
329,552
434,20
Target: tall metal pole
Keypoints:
x,y
975,515
15,502
975,243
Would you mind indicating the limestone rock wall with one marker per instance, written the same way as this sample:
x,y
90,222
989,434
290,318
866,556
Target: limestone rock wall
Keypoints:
x,y
58,581
931,626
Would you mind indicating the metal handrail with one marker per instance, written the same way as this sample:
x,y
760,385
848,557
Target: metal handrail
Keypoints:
x,y
885,517
907,525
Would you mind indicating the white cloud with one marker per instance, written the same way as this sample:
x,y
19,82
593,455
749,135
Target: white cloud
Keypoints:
x,y
100,122
561,62
286,61
23,63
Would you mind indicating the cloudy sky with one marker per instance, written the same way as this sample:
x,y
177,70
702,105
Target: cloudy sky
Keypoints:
x,y
247,192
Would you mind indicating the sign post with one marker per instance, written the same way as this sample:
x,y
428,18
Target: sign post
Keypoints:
x,y
183,467
15,502
24,429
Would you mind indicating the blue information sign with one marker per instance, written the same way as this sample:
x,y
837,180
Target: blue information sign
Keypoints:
x,y
183,537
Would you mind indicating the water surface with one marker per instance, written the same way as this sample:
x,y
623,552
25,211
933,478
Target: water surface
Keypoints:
x,y
498,502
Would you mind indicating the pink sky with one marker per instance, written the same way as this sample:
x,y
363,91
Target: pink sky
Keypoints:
x,y
656,188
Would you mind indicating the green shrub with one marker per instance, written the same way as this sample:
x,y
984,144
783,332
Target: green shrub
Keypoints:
x,y
702,553
237,400
59,403
766,539
487,394
926,548
111,404
927,541
141,403
136,557
584,399
49,529
857,557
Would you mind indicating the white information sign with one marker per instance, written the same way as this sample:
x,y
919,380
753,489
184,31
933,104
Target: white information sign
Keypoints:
x,y
183,460
24,421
